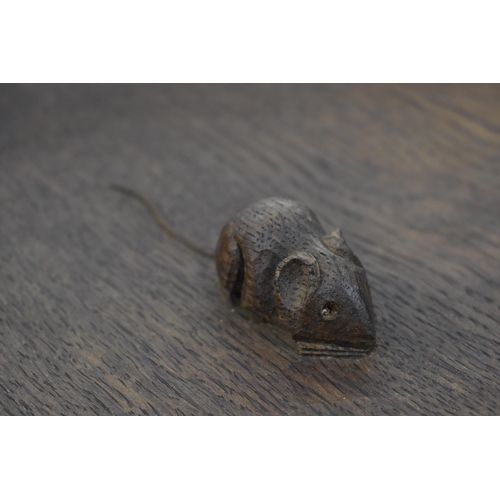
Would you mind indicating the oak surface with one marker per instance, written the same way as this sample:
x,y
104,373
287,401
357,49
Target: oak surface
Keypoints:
x,y
101,314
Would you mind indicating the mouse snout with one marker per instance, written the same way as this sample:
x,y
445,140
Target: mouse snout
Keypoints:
x,y
361,328
354,324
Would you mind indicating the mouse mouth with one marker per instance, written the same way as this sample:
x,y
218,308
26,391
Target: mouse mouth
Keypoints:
x,y
331,349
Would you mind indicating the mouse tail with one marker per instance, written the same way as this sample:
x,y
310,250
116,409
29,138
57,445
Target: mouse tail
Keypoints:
x,y
160,221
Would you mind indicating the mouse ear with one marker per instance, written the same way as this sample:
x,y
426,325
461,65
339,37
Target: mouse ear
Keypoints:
x,y
336,243
297,276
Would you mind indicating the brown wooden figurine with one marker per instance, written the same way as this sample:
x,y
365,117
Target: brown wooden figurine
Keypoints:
x,y
275,261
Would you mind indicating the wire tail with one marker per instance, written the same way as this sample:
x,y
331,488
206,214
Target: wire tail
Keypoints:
x,y
160,221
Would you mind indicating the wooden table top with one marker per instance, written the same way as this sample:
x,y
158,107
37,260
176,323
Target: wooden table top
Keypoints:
x,y
101,314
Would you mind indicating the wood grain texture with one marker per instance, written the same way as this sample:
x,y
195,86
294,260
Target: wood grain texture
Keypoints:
x,y
101,314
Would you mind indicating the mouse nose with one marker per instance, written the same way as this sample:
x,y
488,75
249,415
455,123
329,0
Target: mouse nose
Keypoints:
x,y
362,328
367,337
365,317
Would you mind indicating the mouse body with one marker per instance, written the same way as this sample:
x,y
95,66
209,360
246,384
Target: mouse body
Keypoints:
x,y
275,261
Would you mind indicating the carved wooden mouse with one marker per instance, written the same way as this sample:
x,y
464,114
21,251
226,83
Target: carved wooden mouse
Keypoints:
x,y
275,260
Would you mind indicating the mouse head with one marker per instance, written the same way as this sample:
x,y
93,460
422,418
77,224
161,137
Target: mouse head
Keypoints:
x,y
322,297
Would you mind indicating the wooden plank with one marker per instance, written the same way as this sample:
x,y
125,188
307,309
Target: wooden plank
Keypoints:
x,y
101,314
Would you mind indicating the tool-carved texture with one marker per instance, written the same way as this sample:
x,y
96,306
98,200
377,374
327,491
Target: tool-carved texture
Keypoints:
x,y
276,261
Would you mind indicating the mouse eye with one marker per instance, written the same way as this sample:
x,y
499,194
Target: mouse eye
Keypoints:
x,y
329,310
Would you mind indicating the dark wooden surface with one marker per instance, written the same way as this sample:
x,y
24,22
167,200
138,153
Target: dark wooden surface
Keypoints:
x,y
101,314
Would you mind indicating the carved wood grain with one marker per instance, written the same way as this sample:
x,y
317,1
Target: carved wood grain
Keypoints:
x,y
101,314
